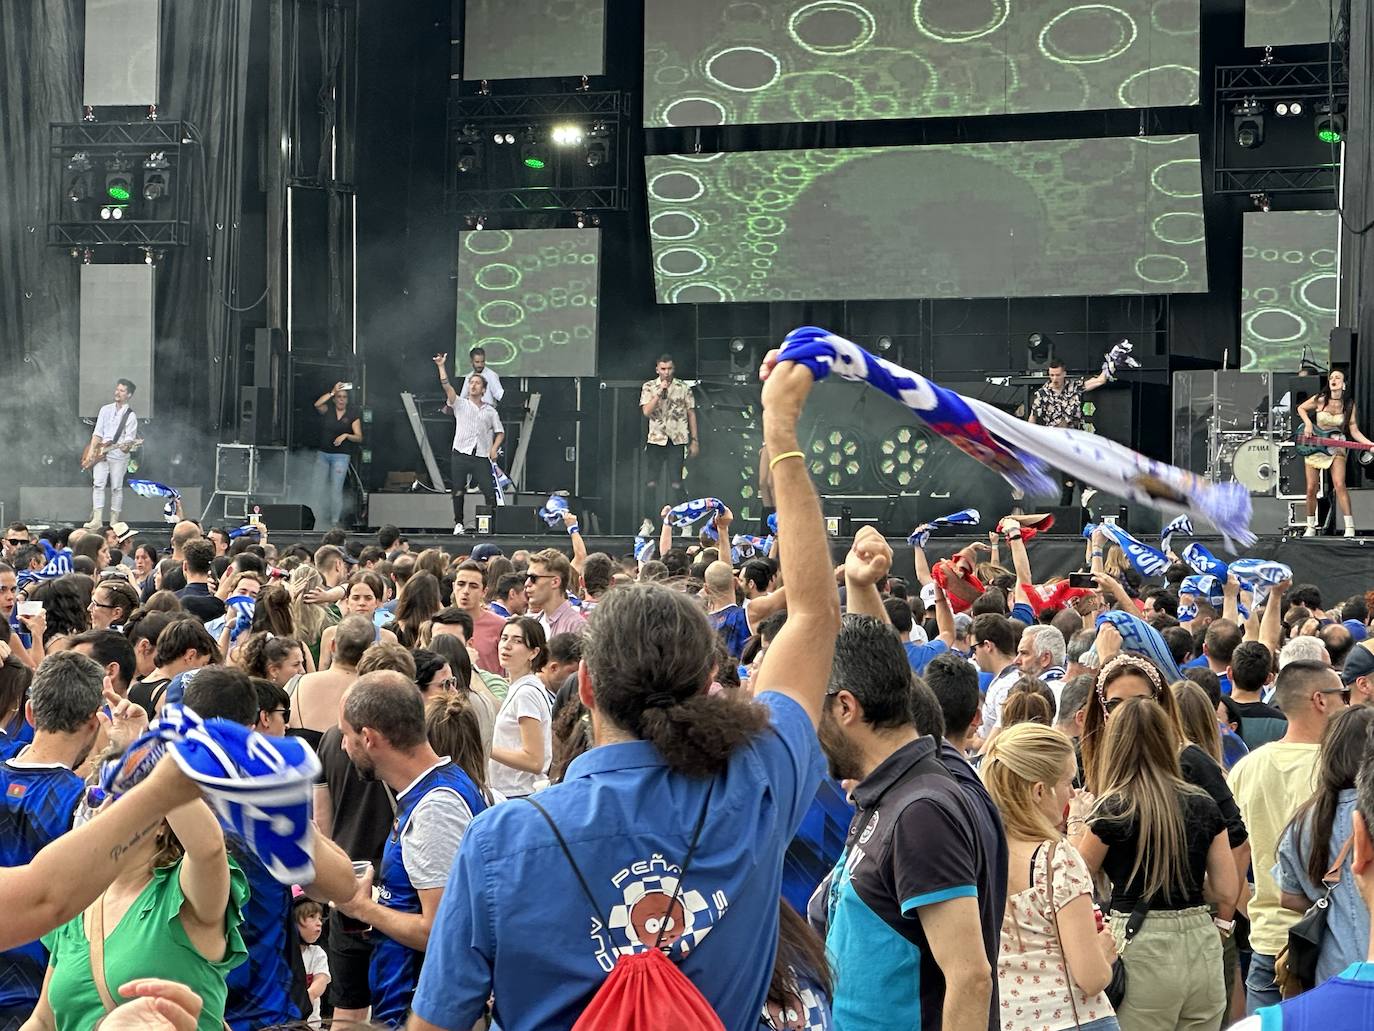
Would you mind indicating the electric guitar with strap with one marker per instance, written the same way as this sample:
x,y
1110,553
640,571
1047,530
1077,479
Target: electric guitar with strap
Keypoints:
x,y
1320,442
96,450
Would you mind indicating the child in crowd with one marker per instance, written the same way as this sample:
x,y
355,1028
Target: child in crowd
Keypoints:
x,y
310,922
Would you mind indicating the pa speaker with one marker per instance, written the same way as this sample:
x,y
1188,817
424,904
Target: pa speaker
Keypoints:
x,y
285,517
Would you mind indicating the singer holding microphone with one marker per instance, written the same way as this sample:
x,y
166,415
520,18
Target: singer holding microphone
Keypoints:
x,y
341,429
669,406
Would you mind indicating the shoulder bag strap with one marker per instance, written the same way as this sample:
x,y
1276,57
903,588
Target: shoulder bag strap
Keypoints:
x,y
1134,922
96,939
1332,877
686,865
1054,916
567,854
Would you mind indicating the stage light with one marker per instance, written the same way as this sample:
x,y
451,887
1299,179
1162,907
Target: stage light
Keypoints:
x,y
901,456
884,343
567,135
118,185
598,145
1288,108
157,173
1248,123
533,154
737,344
1039,349
468,159
834,458
1329,124
78,177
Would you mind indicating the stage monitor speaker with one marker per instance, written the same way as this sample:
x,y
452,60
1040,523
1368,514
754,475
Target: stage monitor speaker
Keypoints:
x,y
284,517
255,415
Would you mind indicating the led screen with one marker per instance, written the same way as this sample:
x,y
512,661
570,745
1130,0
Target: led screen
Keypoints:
x,y
1288,281
718,62
1034,219
1283,22
528,39
529,297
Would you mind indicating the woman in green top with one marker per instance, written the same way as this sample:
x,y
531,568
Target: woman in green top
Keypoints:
x,y
172,913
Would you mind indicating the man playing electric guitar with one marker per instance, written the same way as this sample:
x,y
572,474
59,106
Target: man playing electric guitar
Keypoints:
x,y
1333,410
115,435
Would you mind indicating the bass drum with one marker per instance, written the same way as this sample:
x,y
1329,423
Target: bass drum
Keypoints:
x,y
1256,465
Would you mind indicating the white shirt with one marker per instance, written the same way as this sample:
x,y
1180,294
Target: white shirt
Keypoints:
x,y
316,963
996,697
526,698
107,422
474,427
494,389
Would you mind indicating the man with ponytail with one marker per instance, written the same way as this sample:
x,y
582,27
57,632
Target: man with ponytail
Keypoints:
x,y
675,824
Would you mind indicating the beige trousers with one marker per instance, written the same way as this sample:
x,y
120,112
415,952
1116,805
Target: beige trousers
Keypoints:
x,y
1173,972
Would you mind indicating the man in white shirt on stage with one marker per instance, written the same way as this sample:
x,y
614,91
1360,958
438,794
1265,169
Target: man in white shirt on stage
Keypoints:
x,y
478,357
116,429
477,438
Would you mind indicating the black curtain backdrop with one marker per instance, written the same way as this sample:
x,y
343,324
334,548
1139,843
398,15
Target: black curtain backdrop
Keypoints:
x,y
1357,238
204,81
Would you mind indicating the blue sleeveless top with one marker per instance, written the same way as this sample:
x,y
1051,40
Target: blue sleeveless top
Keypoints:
x,y
395,969
1344,1001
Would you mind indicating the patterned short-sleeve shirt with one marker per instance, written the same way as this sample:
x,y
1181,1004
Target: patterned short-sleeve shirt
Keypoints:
x,y
1059,408
668,423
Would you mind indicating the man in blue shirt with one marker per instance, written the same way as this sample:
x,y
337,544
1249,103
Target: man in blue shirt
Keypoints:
x,y
262,990
914,900
39,794
383,722
1346,1000
672,762
919,655
727,618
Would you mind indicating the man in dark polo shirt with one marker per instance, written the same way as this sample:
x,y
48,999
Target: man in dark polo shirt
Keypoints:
x,y
196,597
912,901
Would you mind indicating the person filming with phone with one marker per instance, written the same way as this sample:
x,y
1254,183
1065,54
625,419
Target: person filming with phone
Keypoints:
x,y
341,429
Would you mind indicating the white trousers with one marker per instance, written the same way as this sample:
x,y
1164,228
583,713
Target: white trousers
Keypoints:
x,y
110,469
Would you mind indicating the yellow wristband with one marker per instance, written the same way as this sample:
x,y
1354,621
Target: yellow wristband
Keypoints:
x,y
785,454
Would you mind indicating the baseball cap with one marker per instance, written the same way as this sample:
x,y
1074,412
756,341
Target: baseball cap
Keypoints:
x,y
486,551
1359,663
928,595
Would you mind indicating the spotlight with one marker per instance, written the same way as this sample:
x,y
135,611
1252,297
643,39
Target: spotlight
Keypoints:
x,y
468,159
884,343
1248,122
78,177
737,344
156,176
1329,124
500,137
581,219
567,135
1039,348
118,184
533,154
1288,108
598,145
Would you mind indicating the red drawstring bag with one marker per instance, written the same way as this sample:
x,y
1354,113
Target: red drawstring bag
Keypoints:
x,y
645,991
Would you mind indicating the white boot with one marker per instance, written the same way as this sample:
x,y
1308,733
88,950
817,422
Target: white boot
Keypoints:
x,y
1311,530
1349,526
94,524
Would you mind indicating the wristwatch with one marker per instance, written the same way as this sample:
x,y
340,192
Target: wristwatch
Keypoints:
x,y
1226,927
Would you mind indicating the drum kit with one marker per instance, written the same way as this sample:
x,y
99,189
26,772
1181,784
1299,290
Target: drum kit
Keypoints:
x,y
1252,456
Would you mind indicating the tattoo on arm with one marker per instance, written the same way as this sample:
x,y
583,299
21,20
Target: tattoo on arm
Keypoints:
x,y
121,850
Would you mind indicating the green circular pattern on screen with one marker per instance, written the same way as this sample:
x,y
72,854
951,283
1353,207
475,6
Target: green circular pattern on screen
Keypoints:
x,y
714,62
529,297
1288,287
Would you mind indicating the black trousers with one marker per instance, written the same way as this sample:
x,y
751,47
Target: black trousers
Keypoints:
x,y
662,476
477,468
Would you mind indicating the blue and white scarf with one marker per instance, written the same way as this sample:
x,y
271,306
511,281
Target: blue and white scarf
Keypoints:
x,y
1203,561
153,489
504,484
1138,637
690,512
552,512
1178,525
238,614
250,530
746,546
1210,588
1260,571
1023,453
1144,559
644,549
260,787
773,524
963,517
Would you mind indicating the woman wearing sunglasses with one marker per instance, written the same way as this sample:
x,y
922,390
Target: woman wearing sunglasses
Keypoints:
x,y
1163,844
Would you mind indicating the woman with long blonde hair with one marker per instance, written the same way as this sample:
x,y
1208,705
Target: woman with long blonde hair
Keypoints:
x,y
1198,718
308,617
1052,961
1163,844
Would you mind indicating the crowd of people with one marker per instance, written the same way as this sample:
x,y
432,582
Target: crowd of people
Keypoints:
x,y
713,788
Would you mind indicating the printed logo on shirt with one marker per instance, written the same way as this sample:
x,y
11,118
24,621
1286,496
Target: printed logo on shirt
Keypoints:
x,y
868,831
17,790
802,1012
648,909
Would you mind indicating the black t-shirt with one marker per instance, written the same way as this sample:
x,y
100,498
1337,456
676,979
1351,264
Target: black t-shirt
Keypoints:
x,y
1201,770
333,425
363,812
199,602
148,693
1202,822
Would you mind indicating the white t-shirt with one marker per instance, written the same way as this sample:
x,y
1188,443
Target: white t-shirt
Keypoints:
x,y
527,698
316,964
